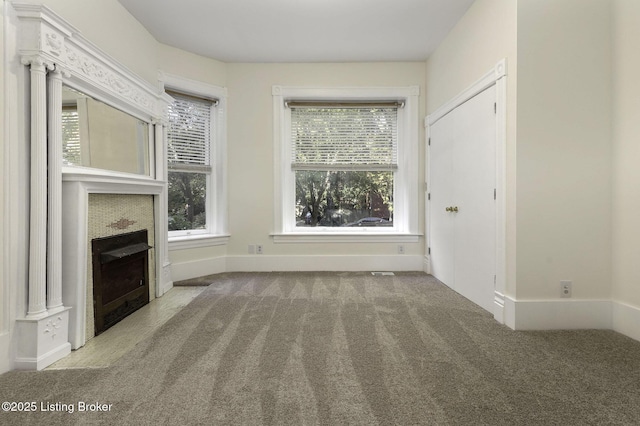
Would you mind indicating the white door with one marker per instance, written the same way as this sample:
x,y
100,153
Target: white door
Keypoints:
x,y
462,173
441,228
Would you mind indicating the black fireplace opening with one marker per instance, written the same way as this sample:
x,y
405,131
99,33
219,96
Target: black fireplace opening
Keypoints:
x,y
120,277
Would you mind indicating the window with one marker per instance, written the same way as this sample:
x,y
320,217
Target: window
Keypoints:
x,y
195,163
189,161
347,161
344,159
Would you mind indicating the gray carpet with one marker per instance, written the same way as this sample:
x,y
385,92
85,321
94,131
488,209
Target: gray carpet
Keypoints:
x,y
344,348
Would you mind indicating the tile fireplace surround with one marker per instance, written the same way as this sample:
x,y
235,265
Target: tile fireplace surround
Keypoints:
x,y
114,214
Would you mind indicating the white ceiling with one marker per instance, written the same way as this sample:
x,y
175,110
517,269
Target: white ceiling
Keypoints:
x,y
301,30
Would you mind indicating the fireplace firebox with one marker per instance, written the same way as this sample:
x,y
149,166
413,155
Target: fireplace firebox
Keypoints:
x,y
120,277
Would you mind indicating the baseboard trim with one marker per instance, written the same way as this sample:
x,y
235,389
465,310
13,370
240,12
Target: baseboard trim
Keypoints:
x,y
569,314
197,268
498,307
167,286
45,360
626,319
265,263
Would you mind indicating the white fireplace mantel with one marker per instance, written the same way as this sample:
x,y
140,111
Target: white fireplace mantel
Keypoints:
x,y
56,54
76,189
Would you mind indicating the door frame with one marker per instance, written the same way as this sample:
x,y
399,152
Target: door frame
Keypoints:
x,y
496,76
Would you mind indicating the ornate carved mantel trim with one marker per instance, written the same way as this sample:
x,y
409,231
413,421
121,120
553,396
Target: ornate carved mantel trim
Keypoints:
x,y
46,37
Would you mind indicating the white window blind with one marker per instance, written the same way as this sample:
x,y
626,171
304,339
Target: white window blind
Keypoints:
x,y
344,137
71,152
189,133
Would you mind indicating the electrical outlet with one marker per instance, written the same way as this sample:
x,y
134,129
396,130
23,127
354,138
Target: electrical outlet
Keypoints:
x,y
401,249
259,249
565,289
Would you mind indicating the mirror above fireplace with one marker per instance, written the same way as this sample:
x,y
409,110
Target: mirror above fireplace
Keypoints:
x,y
97,135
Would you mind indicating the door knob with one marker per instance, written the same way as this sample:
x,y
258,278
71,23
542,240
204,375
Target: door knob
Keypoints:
x,y
449,209
454,209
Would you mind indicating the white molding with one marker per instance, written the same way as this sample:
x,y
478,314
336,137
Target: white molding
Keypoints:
x,y
198,268
167,278
484,82
197,241
268,263
163,272
501,178
85,66
74,259
54,192
498,307
565,314
38,206
42,341
626,319
166,286
192,87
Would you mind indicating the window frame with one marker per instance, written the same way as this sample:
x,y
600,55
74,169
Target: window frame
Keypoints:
x,y
406,194
215,232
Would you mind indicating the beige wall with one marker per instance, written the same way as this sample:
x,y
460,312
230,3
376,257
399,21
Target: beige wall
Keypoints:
x,y
483,37
558,134
626,151
194,67
563,148
250,135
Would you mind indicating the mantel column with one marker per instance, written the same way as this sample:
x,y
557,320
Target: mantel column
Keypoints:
x,y
43,335
54,241
164,282
38,186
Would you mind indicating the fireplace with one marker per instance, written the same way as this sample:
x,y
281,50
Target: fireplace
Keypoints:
x,y
97,207
120,277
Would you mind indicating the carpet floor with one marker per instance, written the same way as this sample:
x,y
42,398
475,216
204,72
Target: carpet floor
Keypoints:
x,y
342,349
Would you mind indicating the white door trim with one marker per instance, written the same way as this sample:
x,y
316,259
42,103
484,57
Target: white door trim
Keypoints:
x,y
498,77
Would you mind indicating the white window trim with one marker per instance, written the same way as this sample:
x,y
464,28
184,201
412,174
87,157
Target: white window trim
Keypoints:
x,y
406,192
216,232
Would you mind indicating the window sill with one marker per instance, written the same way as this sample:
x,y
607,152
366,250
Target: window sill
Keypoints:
x,y
345,237
197,241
